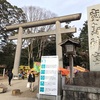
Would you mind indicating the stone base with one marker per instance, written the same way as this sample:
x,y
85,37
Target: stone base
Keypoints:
x,y
16,92
48,97
15,77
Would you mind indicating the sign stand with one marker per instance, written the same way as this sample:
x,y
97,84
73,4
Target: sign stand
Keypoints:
x,y
48,85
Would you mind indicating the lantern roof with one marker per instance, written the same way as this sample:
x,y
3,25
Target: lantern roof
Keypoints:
x,y
70,41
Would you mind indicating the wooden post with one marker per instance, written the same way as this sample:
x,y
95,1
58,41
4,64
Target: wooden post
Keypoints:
x,y
71,68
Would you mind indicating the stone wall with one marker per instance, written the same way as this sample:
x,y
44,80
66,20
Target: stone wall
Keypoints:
x,y
86,86
91,79
80,93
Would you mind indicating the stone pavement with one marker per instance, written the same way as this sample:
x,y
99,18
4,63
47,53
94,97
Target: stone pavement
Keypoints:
x,y
26,94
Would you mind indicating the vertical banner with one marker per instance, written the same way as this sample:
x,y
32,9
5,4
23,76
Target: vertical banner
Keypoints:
x,y
49,75
94,37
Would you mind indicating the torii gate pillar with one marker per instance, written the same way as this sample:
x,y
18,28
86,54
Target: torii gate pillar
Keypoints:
x,y
58,40
18,52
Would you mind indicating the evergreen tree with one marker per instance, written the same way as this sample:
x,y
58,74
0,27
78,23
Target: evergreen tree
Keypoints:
x,y
84,50
7,56
9,15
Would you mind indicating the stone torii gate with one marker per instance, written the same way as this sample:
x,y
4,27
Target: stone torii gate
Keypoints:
x,y
58,31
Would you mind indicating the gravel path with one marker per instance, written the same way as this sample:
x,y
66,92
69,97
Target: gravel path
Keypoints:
x,y
26,94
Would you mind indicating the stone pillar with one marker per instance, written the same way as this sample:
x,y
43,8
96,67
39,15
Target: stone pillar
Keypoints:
x,y
93,13
63,83
60,91
63,80
18,52
3,72
58,40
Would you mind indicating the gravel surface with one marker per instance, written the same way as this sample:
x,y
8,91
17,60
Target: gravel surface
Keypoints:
x,y
26,94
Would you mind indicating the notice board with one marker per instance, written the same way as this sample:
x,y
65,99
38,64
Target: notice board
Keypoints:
x,y
49,75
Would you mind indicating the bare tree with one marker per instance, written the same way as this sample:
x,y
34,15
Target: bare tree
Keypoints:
x,y
35,14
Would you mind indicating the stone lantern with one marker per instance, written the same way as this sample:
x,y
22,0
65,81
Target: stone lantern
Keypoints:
x,y
69,46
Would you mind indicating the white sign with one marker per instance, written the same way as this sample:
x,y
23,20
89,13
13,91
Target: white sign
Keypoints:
x,y
94,37
49,75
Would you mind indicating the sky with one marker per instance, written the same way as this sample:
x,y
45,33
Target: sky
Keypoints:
x,y
61,8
